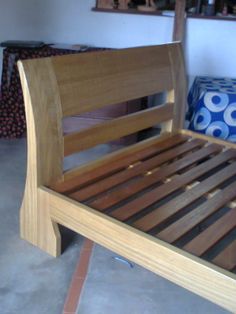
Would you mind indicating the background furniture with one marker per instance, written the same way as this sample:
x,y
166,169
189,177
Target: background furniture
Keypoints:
x,y
166,11
212,103
12,114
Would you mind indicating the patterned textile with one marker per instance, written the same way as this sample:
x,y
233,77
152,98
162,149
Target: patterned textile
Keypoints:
x,y
212,103
12,115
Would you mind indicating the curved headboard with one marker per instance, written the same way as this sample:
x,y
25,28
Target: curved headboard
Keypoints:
x,y
72,84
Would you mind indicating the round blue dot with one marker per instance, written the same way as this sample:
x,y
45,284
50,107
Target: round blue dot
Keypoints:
x,y
199,119
233,114
217,133
216,100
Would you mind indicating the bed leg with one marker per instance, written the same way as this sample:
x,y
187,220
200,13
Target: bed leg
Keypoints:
x,y
36,225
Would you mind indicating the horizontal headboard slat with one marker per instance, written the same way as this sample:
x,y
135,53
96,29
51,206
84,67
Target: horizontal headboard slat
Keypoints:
x,y
90,81
117,128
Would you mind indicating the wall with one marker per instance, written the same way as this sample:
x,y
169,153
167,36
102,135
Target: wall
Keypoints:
x,y
79,24
19,20
209,45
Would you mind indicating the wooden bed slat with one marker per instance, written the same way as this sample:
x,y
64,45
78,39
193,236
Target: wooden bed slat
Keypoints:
x,y
124,157
189,221
133,245
111,130
227,258
121,193
211,139
167,210
139,169
141,202
214,233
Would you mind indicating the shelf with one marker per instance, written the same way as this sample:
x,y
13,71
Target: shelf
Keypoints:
x,y
162,13
128,11
214,17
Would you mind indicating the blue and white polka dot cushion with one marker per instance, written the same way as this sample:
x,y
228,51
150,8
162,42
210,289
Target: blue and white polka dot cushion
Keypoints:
x,y
213,102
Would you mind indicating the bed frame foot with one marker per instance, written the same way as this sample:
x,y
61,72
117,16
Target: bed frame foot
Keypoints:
x,y
36,225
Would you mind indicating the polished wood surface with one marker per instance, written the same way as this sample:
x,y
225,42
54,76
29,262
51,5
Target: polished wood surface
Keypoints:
x,y
111,130
45,152
227,258
190,220
141,168
111,162
161,213
178,266
80,122
89,81
121,193
213,234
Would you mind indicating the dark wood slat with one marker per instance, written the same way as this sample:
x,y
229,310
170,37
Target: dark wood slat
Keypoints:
x,y
140,169
227,258
167,210
119,163
214,233
189,221
121,193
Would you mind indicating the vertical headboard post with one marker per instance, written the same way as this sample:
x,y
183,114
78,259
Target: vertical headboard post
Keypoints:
x,y
44,151
179,94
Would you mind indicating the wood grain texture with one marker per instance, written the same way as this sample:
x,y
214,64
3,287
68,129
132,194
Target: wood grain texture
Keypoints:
x,y
215,232
140,169
168,125
45,151
180,85
140,202
197,215
188,271
210,139
92,80
161,213
227,258
116,128
125,167
115,161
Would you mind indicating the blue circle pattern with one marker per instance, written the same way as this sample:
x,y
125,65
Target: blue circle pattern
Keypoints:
x,y
213,103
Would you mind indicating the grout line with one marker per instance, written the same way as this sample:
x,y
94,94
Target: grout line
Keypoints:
x,y
78,278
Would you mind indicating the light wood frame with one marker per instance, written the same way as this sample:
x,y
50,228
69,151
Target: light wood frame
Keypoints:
x,y
62,86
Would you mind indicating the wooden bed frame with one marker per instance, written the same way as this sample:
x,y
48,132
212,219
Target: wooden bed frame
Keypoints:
x,y
167,203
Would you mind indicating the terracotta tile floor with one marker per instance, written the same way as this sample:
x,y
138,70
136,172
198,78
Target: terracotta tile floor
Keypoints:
x,y
78,279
